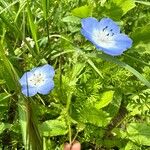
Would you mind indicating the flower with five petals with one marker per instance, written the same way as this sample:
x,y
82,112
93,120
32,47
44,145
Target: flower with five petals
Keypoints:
x,y
105,35
38,80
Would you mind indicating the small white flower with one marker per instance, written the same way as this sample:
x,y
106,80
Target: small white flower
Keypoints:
x,y
31,42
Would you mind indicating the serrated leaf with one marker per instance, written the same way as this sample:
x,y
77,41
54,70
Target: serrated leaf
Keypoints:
x,y
124,65
105,99
71,19
54,127
83,11
139,133
89,114
90,62
77,70
141,34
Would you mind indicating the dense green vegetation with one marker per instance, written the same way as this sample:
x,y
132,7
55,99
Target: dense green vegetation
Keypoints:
x,y
100,100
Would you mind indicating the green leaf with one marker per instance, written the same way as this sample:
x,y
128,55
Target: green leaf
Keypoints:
x,y
23,120
105,99
54,127
71,19
125,5
89,114
3,126
143,2
130,145
4,96
2,81
77,69
141,34
117,8
83,11
45,6
33,26
8,7
124,65
90,62
139,133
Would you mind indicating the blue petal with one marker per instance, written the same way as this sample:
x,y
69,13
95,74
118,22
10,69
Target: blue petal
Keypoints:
x,y
47,70
87,35
29,91
110,24
88,24
111,51
23,80
47,87
123,42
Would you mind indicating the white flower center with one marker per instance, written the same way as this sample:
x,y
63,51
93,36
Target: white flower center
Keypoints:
x,y
37,79
104,38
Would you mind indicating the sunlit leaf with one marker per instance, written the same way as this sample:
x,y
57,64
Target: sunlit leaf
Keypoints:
x,y
125,5
105,99
89,114
139,133
83,11
54,127
71,19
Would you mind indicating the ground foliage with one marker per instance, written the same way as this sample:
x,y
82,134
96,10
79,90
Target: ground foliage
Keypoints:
x,y
99,100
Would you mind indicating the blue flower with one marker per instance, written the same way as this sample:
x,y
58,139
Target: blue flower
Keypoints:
x,y
105,35
38,80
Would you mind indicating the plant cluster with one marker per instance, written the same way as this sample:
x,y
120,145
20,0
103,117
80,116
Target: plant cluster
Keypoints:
x,y
75,70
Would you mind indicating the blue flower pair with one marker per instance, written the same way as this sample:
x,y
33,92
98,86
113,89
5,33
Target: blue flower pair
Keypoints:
x,y
104,34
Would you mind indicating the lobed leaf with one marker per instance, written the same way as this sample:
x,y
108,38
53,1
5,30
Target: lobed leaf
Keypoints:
x,y
139,133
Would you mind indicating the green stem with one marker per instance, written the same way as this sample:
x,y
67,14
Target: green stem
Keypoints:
x,y
68,117
68,102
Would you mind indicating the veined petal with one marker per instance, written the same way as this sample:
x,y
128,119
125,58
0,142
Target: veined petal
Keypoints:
x,y
47,70
108,24
47,87
123,41
28,90
88,24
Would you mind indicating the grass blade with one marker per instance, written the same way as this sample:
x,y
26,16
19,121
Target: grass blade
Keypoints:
x,y
124,65
32,25
143,2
